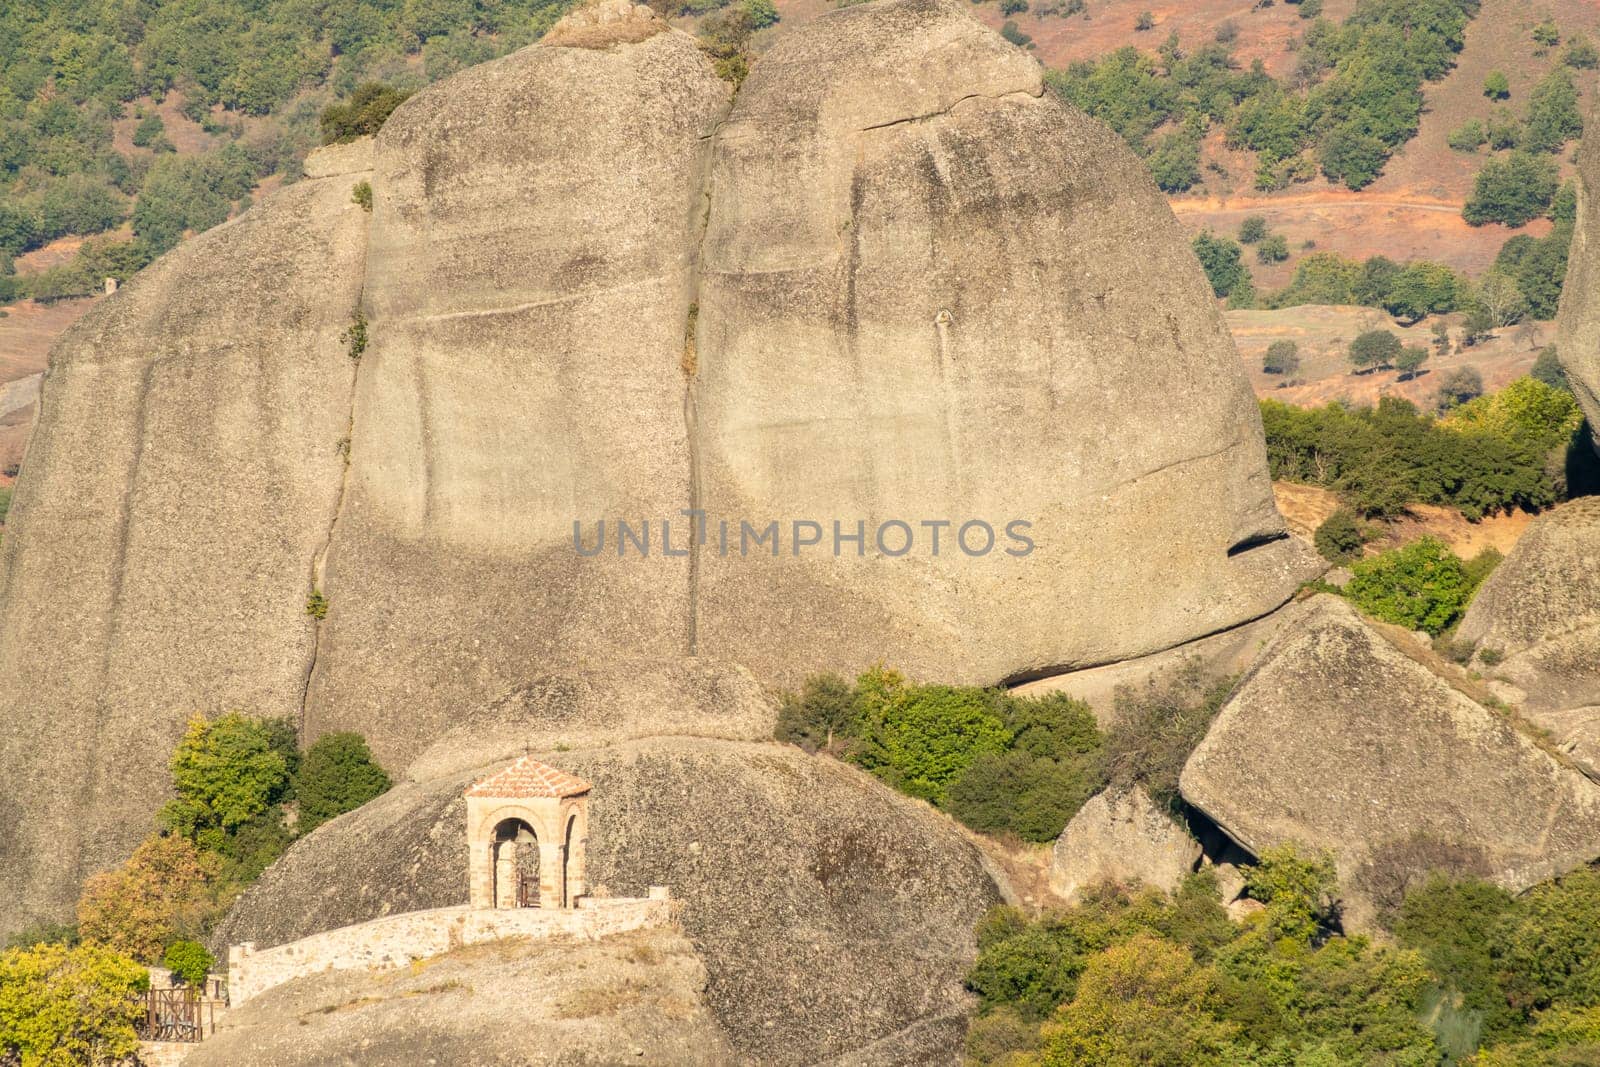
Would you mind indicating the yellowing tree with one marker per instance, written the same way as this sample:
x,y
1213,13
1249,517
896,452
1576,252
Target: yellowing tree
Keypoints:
x,y
163,889
66,1007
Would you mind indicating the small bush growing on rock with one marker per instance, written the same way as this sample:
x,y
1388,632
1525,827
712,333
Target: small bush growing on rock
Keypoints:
x,y
1156,727
1298,889
1340,537
337,774
823,715
362,194
364,114
920,739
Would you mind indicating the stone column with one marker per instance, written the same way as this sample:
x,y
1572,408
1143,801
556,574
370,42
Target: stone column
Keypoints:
x,y
505,874
552,869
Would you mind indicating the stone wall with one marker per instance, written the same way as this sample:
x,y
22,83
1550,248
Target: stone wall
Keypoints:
x,y
396,940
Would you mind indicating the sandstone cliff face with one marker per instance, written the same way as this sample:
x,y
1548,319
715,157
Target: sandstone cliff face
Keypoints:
x,y
1340,739
1578,326
832,914
897,281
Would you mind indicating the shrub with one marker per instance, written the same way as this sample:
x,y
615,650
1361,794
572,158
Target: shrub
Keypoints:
x,y
364,114
1298,891
1459,386
1553,116
164,889
188,961
1469,136
61,1006
1421,586
1175,164
1581,55
763,13
920,739
1547,369
1157,726
1145,21
1513,191
1013,33
1496,86
1340,537
1283,357
362,194
823,714
1223,262
1410,361
1374,349
1252,229
337,774
1546,948
1527,412
1019,793
1273,249
225,773
149,130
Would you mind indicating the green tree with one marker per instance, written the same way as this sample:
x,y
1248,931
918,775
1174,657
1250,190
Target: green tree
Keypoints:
x,y
150,129
1283,357
1353,157
1421,586
1223,262
1512,191
1175,164
1420,290
1459,386
1547,369
1252,229
1496,86
920,739
1553,115
1580,54
1273,249
63,1007
225,773
337,774
824,714
1298,889
1410,361
188,961
364,113
1469,136
1340,537
763,13
1374,349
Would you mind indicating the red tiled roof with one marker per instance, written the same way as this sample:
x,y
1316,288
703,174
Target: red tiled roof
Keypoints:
x,y
529,778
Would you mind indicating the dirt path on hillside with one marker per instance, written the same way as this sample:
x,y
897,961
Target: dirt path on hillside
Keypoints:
x,y
1324,199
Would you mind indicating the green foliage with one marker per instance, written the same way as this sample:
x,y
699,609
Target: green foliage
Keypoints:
x,y
190,193
1273,249
1223,262
1539,265
763,13
1546,35
225,772
1496,86
1547,369
362,115
1013,33
1374,349
1158,725
1469,136
1512,191
1459,386
1410,361
823,715
1340,537
1145,21
150,130
1298,891
1408,292
1553,115
1283,357
1450,922
355,344
1175,163
1050,770
920,739
188,961
337,774
361,194
1421,586
62,1007
1580,54
1528,412
1252,229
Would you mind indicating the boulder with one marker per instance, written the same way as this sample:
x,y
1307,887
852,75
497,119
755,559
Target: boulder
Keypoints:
x,y
586,292
1578,325
1348,737
631,998
1535,625
1121,836
833,915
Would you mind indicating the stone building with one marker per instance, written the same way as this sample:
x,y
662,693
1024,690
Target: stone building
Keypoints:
x,y
527,826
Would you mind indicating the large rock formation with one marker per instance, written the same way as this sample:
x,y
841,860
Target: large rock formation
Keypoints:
x,y
635,998
1343,737
899,282
1536,624
1578,328
832,914
1121,837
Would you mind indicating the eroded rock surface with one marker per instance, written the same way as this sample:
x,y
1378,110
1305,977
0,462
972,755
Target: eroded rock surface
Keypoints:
x,y
632,998
832,914
1578,326
1340,739
898,281
1120,836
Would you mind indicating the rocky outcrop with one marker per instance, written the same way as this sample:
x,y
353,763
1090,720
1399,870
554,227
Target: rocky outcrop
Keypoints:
x,y
632,998
1121,837
832,914
1535,624
1578,326
589,293
1339,738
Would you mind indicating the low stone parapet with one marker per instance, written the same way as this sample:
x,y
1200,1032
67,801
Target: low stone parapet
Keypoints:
x,y
397,940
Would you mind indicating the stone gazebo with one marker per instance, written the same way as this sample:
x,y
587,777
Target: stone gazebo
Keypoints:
x,y
527,826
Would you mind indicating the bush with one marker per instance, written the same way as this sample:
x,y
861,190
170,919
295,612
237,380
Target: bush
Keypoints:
x,y
1283,357
1223,261
1340,537
823,715
188,961
1553,115
1013,33
1529,413
1374,349
1157,726
361,194
163,890
1273,249
920,739
1421,586
1469,136
1581,55
1016,792
1496,86
1410,361
61,1006
1145,21
337,774
1252,229
1175,164
1513,191
1298,890
1547,369
364,114
1459,386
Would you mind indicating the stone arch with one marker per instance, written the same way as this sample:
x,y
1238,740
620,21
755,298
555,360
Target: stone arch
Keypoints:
x,y
553,806
518,864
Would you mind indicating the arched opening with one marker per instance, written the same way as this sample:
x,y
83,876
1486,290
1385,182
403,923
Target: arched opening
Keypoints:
x,y
516,865
572,860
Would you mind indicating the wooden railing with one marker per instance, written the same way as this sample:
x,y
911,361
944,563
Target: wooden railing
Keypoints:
x,y
177,1015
